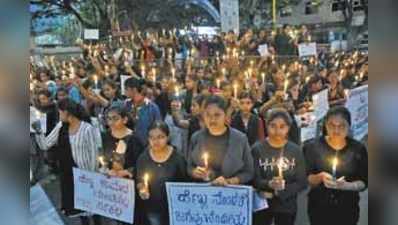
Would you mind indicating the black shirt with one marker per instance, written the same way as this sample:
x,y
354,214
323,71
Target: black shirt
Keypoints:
x,y
217,147
266,160
172,170
353,164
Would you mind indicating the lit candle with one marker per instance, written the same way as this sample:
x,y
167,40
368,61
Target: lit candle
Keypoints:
x,y
173,73
243,53
206,160
251,63
235,86
335,163
285,87
154,74
263,77
218,83
143,71
177,91
280,169
224,71
72,72
95,81
146,181
101,160
283,67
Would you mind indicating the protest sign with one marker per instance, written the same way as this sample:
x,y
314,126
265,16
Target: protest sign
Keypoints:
x,y
263,50
123,78
42,211
91,34
307,49
110,197
320,103
229,10
358,105
191,203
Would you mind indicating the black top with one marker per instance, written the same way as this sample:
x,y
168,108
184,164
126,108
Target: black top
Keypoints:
x,y
266,160
216,147
252,130
172,170
353,164
133,150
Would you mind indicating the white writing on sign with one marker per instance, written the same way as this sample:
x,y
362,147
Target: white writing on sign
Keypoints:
x,y
91,34
358,105
123,78
109,197
307,49
201,204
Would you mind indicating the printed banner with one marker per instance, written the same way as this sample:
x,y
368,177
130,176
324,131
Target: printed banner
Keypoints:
x,y
102,195
192,204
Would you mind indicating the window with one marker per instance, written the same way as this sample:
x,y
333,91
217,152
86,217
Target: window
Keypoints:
x,y
337,5
311,7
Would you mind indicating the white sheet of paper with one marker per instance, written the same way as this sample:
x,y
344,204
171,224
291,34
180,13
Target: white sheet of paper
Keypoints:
x,y
123,78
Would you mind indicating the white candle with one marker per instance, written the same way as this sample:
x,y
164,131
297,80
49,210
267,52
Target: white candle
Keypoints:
x,y
263,78
218,83
95,81
177,91
235,86
206,160
280,169
101,160
154,74
143,71
146,181
173,73
335,163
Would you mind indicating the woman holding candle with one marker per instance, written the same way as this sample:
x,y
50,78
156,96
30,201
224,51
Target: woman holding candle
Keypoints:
x,y
337,168
125,149
159,164
229,158
279,171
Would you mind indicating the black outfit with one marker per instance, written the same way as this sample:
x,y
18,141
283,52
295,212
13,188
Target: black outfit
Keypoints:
x,y
283,206
252,130
188,101
51,156
172,170
66,164
130,157
194,125
329,206
163,102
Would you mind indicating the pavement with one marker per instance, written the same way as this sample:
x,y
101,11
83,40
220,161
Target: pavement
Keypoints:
x,y
51,187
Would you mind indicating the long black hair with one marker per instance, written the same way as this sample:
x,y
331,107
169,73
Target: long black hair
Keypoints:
x,y
74,109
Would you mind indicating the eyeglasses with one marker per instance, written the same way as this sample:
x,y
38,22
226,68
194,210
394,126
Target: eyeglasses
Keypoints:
x,y
113,118
160,137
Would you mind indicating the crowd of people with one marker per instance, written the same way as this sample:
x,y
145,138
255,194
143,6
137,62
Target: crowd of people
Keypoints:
x,y
185,108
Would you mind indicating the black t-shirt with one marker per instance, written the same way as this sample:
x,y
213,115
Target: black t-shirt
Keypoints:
x,y
352,164
217,147
266,160
172,170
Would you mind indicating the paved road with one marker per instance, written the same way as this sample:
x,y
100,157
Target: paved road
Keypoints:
x,y
52,189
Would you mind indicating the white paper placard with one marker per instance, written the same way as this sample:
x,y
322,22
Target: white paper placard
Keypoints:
x,y
91,34
307,49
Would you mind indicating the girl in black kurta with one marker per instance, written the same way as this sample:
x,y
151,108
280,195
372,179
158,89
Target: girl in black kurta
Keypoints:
x,y
334,196
123,148
161,163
